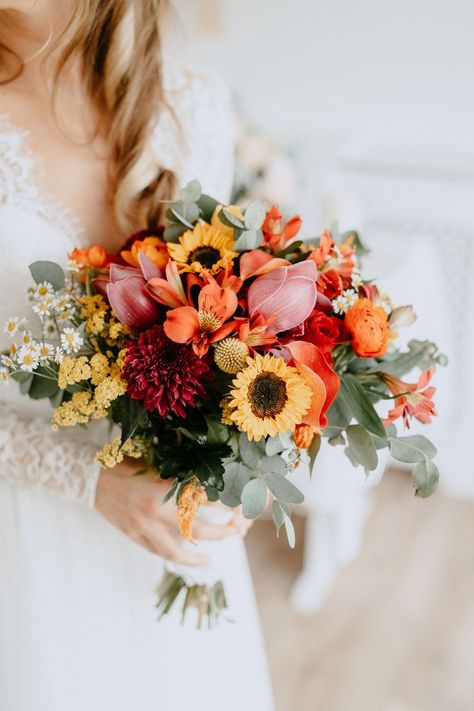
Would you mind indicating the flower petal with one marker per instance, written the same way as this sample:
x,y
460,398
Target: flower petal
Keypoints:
x,y
308,354
181,324
148,267
118,271
257,262
132,304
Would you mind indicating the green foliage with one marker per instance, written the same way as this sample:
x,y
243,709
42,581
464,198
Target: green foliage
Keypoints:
x,y
254,215
282,489
361,448
247,240
236,476
355,399
254,497
48,271
425,476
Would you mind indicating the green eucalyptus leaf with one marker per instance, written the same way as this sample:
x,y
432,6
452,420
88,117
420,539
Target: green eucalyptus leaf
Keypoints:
x,y
191,192
254,497
362,447
336,439
273,446
273,464
174,231
282,489
254,215
249,239
425,476
236,477
48,271
231,220
415,448
357,401
251,452
207,206
290,531
278,515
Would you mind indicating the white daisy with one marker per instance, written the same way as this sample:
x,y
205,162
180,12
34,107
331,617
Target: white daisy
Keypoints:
x,y
71,340
46,351
339,304
350,296
58,355
43,289
27,339
62,302
28,359
7,361
43,307
12,325
73,266
356,280
4,375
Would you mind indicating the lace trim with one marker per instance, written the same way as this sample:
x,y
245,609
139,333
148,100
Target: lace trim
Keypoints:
x,y
22,181
32,455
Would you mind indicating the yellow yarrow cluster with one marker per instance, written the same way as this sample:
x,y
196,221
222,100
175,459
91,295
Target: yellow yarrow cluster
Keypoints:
x,y
77,411
100,320
73,370
114,452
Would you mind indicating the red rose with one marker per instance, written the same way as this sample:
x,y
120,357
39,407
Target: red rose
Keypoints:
x,y
330,284
323,331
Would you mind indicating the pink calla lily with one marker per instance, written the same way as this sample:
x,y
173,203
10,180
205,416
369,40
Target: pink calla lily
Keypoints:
x,y
285,296
128,297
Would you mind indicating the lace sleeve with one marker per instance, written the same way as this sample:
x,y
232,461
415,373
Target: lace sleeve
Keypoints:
x,y
32,455
195,134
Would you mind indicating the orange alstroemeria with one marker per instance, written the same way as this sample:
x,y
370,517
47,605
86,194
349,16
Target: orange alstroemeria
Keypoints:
x,y
328,255
257,262
208,323
414,402
276,236
253,332
321,378
169,291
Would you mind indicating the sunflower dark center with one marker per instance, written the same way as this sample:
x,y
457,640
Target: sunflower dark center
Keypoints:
x,y
207,256
267,395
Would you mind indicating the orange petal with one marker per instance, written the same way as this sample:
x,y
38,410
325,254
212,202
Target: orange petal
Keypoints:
x,y
257,262
314,415
181,324
311,356
220,302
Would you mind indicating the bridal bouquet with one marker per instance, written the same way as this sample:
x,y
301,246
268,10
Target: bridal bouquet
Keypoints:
x,y
224,350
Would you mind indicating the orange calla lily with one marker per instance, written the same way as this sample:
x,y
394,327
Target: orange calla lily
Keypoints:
x,y
256,262
322,379
207,324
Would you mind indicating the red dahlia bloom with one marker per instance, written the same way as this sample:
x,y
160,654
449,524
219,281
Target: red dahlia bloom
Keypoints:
x,y
169,377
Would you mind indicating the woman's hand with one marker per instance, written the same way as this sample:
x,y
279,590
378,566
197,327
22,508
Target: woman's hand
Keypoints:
x,y
133,504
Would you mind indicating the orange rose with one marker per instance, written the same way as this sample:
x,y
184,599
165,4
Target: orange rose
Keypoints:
x,y
154,248
367,324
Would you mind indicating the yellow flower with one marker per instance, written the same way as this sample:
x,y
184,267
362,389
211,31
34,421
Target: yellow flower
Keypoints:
x,y
191,497
76,411
114,452
73,370
107,391
226,415
204,248
269,397
100,368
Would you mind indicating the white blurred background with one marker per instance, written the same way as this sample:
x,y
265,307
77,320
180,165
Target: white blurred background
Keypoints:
x,y
367,113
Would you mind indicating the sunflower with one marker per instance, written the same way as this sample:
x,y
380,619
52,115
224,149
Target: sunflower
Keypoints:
x,y
268,397
204,248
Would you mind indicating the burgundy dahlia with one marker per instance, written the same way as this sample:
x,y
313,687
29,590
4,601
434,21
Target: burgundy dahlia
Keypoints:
x,y
167,376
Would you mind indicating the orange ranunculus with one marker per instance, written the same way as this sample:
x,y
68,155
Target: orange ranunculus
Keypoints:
x,y
155,249
368,327
94,256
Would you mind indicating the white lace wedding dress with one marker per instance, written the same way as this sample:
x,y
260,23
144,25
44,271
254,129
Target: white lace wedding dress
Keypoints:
x,y
78,629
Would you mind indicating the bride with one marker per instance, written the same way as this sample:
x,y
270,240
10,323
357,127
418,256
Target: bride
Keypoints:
x,y
95,131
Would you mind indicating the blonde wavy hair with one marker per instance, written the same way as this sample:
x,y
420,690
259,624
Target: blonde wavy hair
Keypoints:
x,y
120,42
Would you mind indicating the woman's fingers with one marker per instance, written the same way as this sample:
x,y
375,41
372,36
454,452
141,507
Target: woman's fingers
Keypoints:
x,y
205,531
240,523
166,546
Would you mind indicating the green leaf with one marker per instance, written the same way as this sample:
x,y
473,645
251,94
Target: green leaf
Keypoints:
x,y
357,401
48,271
278,515
292,247
274,464
249,239
425,476
25,384
230,220
208,465
362,447
254,497
236,476
290,531
282,489
251,452
207,206
217,433
42,387
415,448
273,446
187,213
313,450
339,414
254,215
191,192
174,231
336,439
171,492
